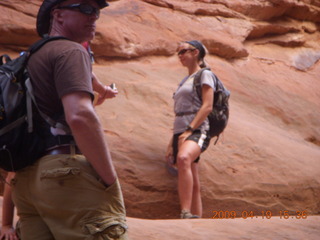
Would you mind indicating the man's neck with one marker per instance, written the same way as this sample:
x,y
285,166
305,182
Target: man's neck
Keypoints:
x,y
71,38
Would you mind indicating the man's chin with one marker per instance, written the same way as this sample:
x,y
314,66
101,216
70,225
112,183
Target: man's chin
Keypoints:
x,y
89,37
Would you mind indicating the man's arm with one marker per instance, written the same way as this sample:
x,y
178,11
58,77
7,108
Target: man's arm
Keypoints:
x,y
88,133
103,90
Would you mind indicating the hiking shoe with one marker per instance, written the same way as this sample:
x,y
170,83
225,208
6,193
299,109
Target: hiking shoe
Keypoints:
x,y
187,215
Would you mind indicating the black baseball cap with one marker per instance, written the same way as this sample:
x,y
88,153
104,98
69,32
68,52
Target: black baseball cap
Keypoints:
x,y
198,45
44,14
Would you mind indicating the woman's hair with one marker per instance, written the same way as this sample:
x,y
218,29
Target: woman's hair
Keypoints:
x,y
202,52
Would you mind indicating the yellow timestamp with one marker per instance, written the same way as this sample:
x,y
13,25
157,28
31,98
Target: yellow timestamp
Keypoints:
x,y
282,214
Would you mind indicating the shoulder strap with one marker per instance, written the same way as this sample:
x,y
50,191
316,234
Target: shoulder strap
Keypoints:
x,y
4,59
50,121
30,96
197,81
37,45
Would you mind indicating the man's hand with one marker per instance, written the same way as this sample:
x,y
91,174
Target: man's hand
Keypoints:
x,y
108,93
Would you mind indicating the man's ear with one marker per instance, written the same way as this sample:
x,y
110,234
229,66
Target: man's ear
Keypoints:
x,y
56,14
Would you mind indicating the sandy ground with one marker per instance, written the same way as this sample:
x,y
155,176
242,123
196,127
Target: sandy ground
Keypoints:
x,y
205,229
257,228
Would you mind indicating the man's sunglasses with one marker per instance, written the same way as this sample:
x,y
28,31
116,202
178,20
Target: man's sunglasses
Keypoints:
x,y
83,8
183,51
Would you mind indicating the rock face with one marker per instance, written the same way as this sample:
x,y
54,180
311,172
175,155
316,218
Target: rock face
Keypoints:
x,y
266,52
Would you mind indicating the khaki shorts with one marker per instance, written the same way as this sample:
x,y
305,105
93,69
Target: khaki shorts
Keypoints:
x,y
60,197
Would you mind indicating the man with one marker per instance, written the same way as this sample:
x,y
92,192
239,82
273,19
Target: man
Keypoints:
x,y
73,191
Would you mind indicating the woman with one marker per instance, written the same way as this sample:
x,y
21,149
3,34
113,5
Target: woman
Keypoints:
x,y
191,127
8,232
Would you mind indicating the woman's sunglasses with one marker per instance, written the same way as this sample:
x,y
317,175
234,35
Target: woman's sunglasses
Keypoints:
x,y
83,8
183,51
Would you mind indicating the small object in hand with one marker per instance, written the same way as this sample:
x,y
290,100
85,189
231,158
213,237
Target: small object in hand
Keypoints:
x,y
113,86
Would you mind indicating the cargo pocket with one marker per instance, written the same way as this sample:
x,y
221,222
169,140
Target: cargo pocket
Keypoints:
x,y
55,179
59,172
102,228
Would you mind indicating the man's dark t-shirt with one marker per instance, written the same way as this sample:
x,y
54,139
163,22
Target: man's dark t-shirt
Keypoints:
x,y
59,68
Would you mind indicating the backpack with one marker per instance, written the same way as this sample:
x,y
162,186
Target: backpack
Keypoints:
x,y
22,138
218,118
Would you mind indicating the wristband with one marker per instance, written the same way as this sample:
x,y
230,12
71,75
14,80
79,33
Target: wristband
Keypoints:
x,y
189,128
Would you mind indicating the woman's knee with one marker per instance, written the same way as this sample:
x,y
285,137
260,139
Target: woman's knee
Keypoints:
x,y
184,161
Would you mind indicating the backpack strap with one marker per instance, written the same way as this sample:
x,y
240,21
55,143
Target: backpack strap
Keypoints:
x,y
30,96
4,59
37,45
197,82
50,121
12,125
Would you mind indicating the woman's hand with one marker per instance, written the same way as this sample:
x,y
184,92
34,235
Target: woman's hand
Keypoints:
x,y
169,155
8,233
184,136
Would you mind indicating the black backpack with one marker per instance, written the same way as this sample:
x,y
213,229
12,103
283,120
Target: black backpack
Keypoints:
x,y
218,118
22,138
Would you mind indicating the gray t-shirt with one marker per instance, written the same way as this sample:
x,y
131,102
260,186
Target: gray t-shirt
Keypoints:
x,y
186,100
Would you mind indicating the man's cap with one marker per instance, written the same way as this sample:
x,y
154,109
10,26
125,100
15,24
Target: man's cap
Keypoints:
x,y
44,14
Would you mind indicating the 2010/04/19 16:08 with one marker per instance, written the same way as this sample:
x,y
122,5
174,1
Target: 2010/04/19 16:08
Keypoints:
x,y
283,214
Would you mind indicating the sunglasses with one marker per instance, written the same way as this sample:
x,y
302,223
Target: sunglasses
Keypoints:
x,y
83,8
183,51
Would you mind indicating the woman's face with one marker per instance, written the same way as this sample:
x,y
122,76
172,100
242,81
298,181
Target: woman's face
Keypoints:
x,y
188,55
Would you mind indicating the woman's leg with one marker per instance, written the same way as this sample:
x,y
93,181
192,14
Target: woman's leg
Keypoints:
x,y
188,152
196,207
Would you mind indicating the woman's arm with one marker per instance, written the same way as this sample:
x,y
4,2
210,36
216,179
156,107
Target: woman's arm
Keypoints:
x,y
205,109
7,229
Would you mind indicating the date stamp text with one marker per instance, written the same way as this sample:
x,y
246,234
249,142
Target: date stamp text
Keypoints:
x,y
283,214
